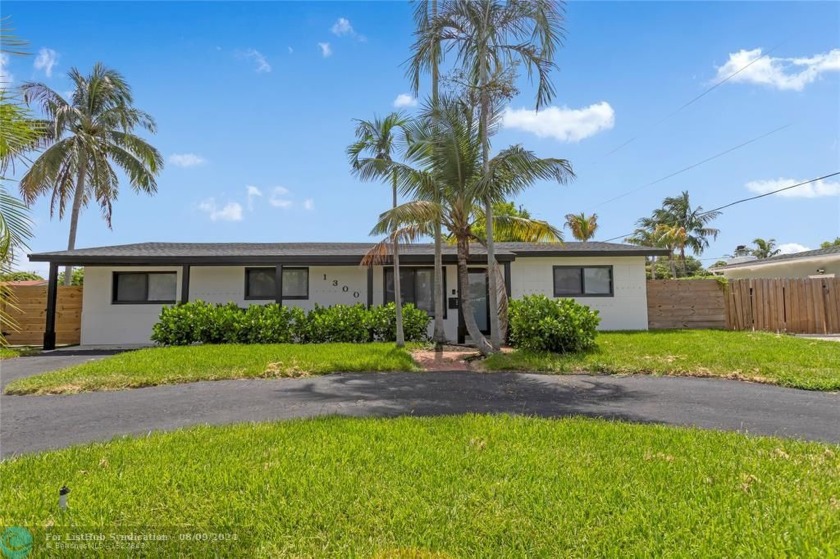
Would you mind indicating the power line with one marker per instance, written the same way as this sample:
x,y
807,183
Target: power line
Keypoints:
x,y
742,200
683,170
697,97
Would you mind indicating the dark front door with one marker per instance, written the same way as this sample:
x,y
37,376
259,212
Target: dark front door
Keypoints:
x,y
478,294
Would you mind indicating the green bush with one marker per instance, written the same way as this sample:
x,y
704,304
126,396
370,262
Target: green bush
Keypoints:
x,y
338,323
538,323
383,323
208,323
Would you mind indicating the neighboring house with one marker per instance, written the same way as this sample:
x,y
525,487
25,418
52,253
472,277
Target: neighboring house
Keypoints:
x,y
126,285
823,262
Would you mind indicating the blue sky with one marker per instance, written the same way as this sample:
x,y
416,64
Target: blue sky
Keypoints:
x,y
254,113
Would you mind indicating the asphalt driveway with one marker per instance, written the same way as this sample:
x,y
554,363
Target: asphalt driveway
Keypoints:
x,y
34,423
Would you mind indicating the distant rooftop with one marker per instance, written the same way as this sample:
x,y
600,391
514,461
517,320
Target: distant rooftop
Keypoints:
x,y
829,252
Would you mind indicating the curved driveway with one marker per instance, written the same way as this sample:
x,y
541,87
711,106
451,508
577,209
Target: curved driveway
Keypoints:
x,y
33,423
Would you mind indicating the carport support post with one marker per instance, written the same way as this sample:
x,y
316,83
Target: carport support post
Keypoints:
x,y
52,296
185,284
278,285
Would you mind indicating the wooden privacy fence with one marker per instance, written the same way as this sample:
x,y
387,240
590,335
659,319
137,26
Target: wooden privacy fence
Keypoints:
x,y
676,304
799,306
30,314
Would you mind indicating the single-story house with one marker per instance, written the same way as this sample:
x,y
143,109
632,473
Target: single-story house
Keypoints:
x,y
126,285
820,263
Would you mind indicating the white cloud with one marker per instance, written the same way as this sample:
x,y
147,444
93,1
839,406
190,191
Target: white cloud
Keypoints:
x,y
46,61
780,73
790,248
277,198
816,189
261,65
253,192
6,78
343,28
562,123
232,211
326,49
405,100
186,160
309,204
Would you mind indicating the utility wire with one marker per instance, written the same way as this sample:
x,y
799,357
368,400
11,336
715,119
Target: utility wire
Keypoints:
x,y
683,170
697,98
742,200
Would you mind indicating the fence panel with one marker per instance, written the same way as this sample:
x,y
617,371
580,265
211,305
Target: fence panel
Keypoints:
x,y
798,306
676,304
27,306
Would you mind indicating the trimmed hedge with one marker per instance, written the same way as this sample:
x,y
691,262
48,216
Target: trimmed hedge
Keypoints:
x,y
209,323
538,323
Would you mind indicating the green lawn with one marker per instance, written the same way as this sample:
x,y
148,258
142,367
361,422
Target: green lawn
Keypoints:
x,y
171,365
755,356
467,486
8,353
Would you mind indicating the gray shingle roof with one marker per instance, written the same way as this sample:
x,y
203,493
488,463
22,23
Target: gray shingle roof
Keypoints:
x,y
830,251
220,253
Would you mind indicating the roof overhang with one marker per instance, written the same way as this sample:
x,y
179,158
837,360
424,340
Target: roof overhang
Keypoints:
x,y
297,260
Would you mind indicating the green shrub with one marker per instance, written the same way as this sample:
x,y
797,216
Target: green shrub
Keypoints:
x,y
208,323
538,323
383,323
338,323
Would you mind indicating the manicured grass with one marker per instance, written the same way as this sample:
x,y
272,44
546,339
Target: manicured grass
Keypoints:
x,y
172,365
8,353
755,356
467,486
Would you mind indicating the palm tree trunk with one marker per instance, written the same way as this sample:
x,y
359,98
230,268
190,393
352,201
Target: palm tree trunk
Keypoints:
x,y
682,259
466,302
439,335
78,198
495,328
397,287
673,266
652,267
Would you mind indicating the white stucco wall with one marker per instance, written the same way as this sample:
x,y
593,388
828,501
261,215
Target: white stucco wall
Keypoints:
x,y
104,323
625,310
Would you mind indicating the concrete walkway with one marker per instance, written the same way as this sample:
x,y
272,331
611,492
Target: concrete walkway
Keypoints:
x,y
34,423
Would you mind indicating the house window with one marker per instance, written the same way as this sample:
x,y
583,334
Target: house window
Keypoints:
x,y
144,287
259,283
417,286
583,281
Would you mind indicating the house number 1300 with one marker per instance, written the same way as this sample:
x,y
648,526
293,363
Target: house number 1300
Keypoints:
x,y
344,288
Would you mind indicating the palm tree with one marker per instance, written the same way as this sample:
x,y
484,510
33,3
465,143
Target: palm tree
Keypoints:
x,y
89,134
427,56
489,38
583,227
674,238
445,176
765,248
378,139
645,235
676,211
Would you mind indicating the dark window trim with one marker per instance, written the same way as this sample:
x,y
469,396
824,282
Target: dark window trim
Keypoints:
x,y
114,282
271,298
583,292
443,278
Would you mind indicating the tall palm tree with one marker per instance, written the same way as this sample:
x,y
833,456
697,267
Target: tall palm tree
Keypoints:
x,y
427,56
583,227
377,139
489,38
765,248
676,211
89,135
646,235
444,174
674,238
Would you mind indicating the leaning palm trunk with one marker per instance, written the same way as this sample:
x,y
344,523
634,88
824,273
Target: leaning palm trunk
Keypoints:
x,y
78,198
503,304
466,301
